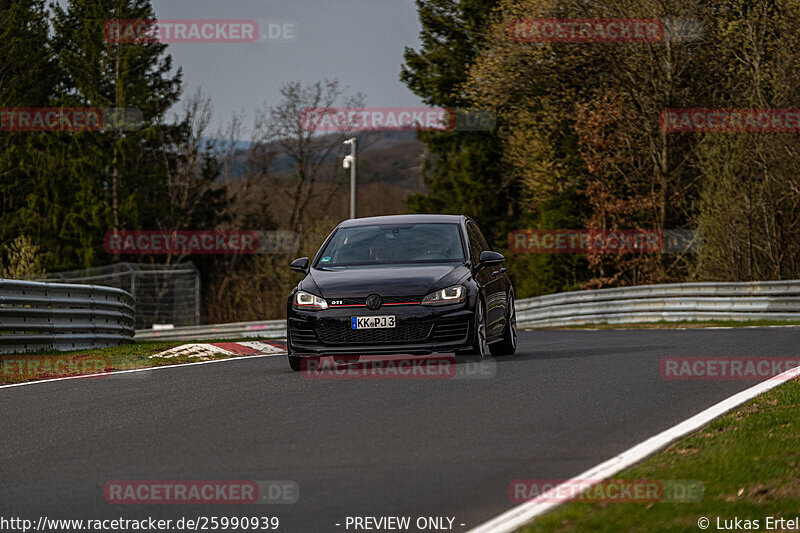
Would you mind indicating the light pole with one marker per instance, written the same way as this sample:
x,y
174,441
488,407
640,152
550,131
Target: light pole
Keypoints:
x,y
350,162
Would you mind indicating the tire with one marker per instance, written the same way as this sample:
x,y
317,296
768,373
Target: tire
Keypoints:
x,y
507,346
295,363
479,348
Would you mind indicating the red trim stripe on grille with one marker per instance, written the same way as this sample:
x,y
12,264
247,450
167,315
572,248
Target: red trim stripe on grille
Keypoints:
x,y
364,305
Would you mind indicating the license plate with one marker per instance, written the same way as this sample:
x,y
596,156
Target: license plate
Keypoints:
x,y
370,322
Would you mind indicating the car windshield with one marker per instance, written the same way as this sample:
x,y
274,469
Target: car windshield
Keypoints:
x,y
387,244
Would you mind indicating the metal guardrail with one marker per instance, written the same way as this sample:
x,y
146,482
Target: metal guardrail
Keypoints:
x,y
765,300
55,316
268,329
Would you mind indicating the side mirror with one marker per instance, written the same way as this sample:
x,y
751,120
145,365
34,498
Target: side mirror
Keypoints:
x,y
300,265
489,258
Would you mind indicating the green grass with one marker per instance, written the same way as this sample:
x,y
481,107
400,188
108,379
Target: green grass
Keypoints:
x,y
747,460
123,357
681,324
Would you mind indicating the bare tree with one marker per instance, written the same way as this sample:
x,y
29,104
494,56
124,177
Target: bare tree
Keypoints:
x,y
314,155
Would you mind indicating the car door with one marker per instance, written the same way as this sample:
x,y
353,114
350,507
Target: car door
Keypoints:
x,y
491,279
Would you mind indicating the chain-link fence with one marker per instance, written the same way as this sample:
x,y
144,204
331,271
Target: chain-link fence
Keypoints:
x,y
165,294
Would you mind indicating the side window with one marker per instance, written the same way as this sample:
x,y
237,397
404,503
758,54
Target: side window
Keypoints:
x,y
481,238
475,242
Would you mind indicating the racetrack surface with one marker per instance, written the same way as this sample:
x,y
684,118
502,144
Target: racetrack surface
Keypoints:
x,y
357,447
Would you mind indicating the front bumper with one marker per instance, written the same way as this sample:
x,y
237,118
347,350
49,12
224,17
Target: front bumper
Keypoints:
x,y
419,330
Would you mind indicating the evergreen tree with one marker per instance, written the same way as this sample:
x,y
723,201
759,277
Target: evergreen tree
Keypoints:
x,y
28,78
462,170
122,172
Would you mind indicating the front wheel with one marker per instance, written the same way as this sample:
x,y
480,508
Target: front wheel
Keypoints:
x,y
508,345
479,347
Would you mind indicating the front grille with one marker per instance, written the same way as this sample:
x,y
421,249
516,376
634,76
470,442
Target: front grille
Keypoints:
x,y
386,300
350,301
406,332
302,334
401,299
451,329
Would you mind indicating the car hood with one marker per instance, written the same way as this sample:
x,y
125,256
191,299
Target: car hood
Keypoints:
x,y
385,280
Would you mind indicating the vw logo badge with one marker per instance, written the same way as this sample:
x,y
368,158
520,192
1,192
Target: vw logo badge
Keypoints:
x,y
374,302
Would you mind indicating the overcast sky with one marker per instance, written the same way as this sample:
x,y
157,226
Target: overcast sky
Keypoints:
x,y
359,42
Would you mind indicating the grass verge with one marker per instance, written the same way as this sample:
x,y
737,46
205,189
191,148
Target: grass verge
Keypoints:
x,y
748,461
19,368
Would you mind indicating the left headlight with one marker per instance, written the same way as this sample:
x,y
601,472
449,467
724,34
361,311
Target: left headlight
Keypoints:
x,y
306,300
450,295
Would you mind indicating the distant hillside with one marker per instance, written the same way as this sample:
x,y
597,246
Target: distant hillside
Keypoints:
x,y
389,170
391,157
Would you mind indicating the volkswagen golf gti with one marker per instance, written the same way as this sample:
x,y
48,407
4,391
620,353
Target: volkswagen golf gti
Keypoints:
x,y
404,284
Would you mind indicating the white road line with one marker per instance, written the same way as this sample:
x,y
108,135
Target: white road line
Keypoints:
x,y
117,372
626,328
524,513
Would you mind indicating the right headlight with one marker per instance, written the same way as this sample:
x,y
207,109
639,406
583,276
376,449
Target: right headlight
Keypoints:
x,y
306,300
450,295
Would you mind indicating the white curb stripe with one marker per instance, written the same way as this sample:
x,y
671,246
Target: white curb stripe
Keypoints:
x,y
191,350
524,513
204,350
263,347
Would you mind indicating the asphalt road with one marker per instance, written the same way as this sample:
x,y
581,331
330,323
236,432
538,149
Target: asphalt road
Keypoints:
x,y
390,447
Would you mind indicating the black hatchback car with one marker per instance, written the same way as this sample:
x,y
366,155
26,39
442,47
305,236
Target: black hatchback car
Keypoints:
x,y
404,284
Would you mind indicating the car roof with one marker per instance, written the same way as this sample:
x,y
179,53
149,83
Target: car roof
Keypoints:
x,y
402,219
